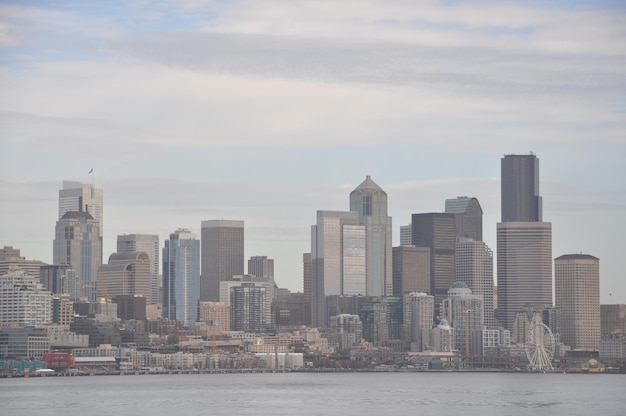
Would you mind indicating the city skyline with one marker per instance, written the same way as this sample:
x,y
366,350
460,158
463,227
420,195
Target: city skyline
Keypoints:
x,y
270,113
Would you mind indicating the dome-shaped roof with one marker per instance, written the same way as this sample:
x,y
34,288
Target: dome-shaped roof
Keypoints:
x,y
459,285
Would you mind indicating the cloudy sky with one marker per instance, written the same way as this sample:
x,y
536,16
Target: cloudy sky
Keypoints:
x,y
267,111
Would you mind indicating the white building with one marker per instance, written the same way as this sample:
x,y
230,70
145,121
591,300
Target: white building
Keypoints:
x,y
82,197
23,300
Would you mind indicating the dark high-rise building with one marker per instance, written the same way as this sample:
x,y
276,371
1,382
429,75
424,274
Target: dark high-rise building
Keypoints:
x,y
222,255
411,270
437,232
520,189
524,242
469,217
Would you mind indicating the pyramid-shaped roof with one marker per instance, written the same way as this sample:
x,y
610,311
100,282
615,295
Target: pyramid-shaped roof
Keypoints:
x,y
368,183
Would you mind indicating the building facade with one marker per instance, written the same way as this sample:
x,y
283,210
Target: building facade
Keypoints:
x,y
524,268
60,279
181,277
222,255
125,274
149,244
521,201
23,300
437,232
577,297
411,270
78,243
338,260
468,217
370,201
248,306
82,197
464,311
474,266
261,266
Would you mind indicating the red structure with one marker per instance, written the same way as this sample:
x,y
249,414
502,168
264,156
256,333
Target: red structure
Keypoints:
x,y
59,360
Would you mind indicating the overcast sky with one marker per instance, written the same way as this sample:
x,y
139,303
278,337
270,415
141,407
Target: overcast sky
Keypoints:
x,y
267,111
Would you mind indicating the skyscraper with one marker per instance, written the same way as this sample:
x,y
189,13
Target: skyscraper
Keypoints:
x,y
411,270
464,311
524,268
474,266
524,243
437,232
126,274
468,217
82,197
181,277
338,260
261,266
520,189
149,244
405,235
370,201
222,255
577,297
77,243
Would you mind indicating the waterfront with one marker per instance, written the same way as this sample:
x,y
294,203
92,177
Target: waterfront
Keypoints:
x,y
317,393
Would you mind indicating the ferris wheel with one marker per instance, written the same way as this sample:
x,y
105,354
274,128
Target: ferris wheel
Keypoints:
x,y
539,346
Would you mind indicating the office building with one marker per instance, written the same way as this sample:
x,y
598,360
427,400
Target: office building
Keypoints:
x,y
468,217
370,201
216,314
524,242
521,201
261,266
474,266
82,197
60,279
422,309
249,282
307,276
411,270
338,260
577,297
222,255
62,309
248,306
405,235
524,268
437,232
10,256
613,321
23,300
181,277
149,244
464,311
126,274
77,243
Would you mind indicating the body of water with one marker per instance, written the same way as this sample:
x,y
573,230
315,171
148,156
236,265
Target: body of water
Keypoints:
x,y
295,394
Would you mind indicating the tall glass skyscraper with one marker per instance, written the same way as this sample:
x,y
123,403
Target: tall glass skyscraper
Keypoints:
x,y
181,277
222,255
524,242
370,201
338,260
